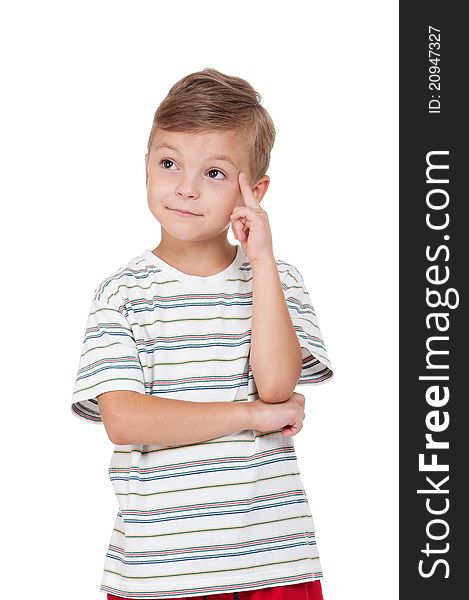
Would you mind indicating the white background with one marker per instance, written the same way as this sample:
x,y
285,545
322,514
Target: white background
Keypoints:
x,y
81,82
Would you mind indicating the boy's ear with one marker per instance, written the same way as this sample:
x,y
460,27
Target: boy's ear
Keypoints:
x,y
260,188
146,169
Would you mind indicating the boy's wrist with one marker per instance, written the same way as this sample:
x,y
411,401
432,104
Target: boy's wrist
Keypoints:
x,y
251,414
264,262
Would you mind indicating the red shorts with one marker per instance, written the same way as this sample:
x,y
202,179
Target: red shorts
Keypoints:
x,y
309,590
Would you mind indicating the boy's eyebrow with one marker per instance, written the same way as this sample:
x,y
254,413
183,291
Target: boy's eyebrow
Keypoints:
x,y
218,157
161,145
225,158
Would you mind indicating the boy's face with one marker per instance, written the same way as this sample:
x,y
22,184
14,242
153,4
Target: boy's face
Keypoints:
x,y
197,172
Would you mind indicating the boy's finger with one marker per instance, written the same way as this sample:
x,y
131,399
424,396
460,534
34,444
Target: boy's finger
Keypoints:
x,y
237,228
240,231
244,213
249,198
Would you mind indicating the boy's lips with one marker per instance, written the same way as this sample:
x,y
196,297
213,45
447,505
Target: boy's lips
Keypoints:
x,y
185,213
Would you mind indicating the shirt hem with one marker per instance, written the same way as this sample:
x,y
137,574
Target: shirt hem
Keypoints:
x,y
237,584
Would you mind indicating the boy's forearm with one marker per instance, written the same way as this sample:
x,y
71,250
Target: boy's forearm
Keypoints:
x,y
275,349
156,420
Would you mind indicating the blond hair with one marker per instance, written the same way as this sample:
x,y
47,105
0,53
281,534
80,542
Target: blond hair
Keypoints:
x,y
212,101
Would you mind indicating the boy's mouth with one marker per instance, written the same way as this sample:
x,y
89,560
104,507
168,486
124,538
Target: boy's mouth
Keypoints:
x,y
184,213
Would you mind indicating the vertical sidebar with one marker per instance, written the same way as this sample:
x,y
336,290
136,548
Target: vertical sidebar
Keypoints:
x,y
433,257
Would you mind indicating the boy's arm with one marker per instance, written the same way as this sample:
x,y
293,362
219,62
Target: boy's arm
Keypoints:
x,y
132,418
276,358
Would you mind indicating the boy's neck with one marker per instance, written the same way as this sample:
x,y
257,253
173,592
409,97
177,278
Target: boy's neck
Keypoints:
x,y
202,259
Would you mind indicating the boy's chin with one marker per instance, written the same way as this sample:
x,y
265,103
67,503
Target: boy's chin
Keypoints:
x,y
190,233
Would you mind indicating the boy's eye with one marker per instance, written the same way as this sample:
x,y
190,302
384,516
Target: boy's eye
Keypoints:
x,y
216,171
167,164
165,161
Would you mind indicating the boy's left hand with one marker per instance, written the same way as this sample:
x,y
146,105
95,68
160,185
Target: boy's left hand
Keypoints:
x,y
250,224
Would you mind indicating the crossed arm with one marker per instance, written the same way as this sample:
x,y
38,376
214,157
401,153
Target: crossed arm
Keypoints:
x,y
133,418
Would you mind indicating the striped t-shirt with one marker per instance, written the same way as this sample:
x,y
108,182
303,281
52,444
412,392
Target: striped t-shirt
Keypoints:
x,y
224,515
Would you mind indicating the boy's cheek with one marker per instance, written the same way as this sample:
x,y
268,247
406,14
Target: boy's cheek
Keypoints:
x,y
238,198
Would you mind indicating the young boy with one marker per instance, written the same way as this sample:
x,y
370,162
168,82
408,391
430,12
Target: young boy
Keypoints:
x,y
191,355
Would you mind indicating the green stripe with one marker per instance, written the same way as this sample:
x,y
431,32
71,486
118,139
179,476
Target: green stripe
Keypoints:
x,y
205,487
234,527
139,381
186,362
270,564
129,287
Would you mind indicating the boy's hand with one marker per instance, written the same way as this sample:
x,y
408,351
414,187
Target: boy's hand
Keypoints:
x,y
286,416
250,224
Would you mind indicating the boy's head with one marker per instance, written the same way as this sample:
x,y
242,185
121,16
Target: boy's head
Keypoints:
x,y
208,129
209,100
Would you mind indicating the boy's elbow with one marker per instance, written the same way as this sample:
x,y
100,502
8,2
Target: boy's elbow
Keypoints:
x,y
114,434
113,429
278,391
277,394
112,410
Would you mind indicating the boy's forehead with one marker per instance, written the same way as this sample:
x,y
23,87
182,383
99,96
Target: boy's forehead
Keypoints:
x,y
231,143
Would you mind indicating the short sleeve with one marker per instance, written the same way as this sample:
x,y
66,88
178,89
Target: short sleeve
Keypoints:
x,y
109,360
316,364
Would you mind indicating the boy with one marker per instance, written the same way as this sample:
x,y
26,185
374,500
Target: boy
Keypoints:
x,y
191,355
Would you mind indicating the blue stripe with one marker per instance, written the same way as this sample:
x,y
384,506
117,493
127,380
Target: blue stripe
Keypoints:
x,y
209,556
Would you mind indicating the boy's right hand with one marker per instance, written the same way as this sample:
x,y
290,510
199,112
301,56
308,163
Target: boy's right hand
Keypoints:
x,y
287,416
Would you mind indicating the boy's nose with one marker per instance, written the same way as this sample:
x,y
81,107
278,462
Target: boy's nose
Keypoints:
x,y
186,188
186,193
